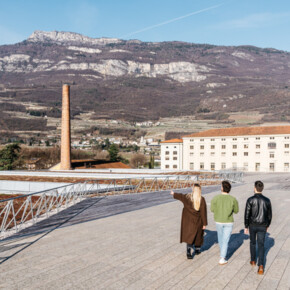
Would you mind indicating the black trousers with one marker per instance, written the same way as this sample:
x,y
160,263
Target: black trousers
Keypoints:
x,y
193,245
189,246
257,234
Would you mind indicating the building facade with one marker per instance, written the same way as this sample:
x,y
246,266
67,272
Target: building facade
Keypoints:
x,y
253,149
172,154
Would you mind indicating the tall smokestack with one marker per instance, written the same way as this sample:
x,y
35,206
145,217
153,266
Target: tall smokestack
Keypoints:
x,y
65,158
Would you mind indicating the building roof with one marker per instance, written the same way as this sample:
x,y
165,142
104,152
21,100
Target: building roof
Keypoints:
x,y
85,160
243,131
173,141
97,164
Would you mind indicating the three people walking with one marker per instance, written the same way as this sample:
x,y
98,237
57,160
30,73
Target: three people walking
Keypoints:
x,y
257,218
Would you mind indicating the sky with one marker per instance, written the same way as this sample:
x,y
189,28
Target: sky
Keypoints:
x,y
262,23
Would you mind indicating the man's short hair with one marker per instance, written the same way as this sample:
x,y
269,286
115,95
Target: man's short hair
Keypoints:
x,y
226,186
259,185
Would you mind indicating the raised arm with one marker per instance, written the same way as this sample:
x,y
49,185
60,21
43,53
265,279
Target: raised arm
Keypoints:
x,y
178,196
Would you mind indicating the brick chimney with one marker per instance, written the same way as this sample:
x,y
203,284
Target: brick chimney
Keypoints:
x,y
65,153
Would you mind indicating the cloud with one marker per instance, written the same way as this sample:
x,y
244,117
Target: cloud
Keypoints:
x,y
171,20
257,20
7,36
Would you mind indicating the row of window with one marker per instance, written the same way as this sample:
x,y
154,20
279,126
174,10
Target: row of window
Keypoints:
x,y
168,152
235,139
168,167
271,145
271,154
234,165
167,158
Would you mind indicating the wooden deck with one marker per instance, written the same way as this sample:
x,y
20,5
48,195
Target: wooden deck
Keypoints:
x,y
132,242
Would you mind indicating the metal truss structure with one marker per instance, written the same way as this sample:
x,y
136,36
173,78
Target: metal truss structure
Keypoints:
x,y
22,211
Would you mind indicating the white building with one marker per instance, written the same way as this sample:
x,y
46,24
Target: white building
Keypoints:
x,y
264,149
172,154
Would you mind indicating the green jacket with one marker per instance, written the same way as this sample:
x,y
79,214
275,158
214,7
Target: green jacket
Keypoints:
x,y
224,206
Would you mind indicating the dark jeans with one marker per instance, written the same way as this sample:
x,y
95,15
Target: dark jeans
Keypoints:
x,y
257,233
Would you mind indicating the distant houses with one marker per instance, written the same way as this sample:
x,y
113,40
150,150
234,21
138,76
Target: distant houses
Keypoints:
x,y
147,124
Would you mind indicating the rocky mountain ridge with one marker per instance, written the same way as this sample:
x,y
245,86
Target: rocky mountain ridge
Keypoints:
x,y
62,37
136,80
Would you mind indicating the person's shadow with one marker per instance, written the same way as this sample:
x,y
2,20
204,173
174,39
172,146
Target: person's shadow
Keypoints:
x,y
210,238
269,243
235,242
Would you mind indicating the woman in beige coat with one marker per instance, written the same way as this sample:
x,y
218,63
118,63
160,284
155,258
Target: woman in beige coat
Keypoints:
x,y
193,220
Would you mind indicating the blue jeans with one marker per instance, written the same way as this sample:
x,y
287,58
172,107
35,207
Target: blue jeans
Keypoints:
x,y
224,233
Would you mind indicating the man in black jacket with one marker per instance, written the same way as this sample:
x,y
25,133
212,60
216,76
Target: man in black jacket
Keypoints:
x,y
258,216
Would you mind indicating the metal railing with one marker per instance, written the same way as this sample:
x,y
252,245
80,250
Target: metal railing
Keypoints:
x,y
231,175
20,212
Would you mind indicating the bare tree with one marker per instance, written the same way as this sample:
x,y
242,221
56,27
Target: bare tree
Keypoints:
x,y
101,154
138,160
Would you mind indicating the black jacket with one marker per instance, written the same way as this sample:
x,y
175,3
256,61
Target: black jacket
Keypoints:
x,y
258,211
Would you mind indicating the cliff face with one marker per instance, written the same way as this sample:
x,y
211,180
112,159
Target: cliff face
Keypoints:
x,y
180,71
68,37
120,78
72,52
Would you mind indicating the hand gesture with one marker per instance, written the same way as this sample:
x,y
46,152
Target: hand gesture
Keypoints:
x,y
171,192
246,231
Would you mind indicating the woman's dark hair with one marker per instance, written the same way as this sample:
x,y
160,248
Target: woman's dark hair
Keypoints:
x,y
226,186
196,184
259,185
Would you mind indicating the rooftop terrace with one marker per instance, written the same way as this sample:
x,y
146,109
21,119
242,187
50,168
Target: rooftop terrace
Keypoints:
x,y
132,242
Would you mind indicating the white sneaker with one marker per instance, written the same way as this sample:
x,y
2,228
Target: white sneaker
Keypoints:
x,y
222,261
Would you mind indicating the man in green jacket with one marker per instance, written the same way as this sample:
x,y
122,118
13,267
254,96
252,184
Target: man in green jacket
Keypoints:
x,y
224,206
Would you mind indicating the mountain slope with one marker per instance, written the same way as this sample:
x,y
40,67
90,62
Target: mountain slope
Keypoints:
x,y
134,80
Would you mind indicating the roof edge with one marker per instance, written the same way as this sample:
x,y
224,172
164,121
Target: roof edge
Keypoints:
x,y
173,141
242,131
